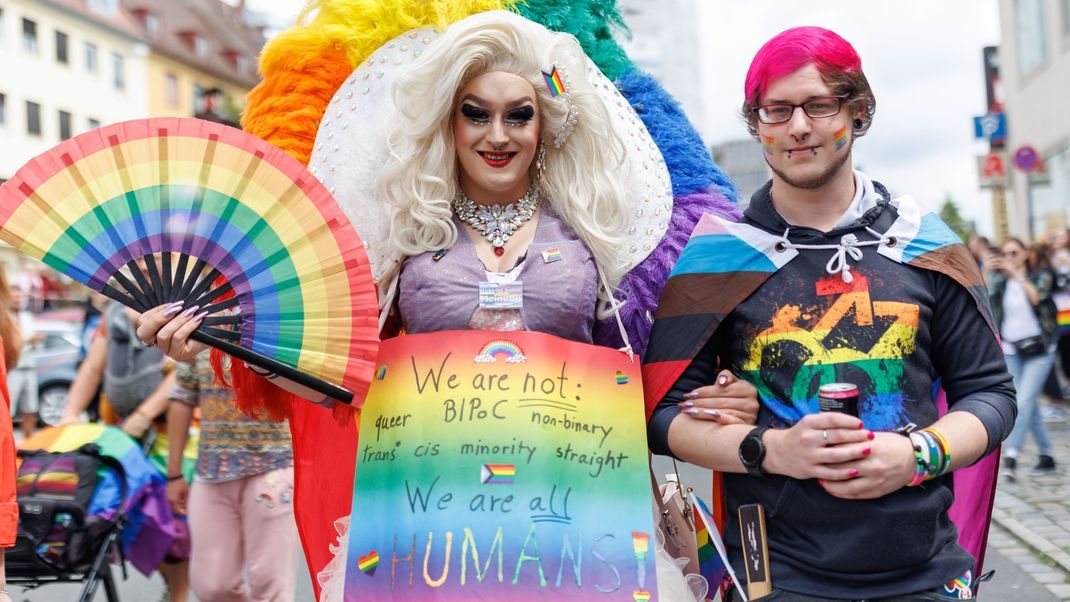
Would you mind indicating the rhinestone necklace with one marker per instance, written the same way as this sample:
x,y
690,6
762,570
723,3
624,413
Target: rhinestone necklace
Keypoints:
x,y
495,222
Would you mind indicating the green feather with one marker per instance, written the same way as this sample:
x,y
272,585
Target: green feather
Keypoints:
x,y
593,22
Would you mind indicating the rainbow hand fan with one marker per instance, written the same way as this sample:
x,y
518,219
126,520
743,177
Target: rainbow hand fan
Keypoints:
x,y
222,212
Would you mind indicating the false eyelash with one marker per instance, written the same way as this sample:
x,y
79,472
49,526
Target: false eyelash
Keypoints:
x,y
520,116
475,113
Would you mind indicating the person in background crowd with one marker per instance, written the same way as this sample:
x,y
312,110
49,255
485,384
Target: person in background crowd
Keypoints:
x,y
980,248
1060,264
22,379
9,509
1025,314
240,507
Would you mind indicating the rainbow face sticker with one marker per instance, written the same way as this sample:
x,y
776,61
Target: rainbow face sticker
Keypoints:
x,y
840,138
767,145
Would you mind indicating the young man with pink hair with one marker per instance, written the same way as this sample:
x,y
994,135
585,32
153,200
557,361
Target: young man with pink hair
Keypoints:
x,y
829,278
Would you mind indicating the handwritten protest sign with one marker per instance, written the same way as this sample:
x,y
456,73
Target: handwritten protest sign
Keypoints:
x,y
501,466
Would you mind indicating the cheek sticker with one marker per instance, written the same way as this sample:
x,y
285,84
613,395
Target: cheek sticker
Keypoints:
x,y
767,144
840,137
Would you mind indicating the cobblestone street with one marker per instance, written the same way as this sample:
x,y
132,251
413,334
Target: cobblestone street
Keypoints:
x,y
1031,520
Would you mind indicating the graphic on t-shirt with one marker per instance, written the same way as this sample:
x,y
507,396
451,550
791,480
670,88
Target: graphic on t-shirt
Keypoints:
x,y
856,340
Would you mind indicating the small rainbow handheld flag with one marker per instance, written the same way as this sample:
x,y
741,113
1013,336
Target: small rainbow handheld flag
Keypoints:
x,y
712,556
554,82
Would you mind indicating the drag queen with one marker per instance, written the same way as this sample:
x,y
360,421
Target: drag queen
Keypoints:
x,y
502,162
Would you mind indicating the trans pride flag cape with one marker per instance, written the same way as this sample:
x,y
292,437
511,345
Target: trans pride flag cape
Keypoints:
x,y
725,262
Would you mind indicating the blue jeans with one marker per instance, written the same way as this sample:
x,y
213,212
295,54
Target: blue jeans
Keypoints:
x,y
1029,374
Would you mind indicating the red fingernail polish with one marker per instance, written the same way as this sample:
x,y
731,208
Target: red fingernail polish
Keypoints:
x,y
861,425
821,482
867,451
871,436
853,473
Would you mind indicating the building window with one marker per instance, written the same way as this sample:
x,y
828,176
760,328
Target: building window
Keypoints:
x,y
152,25
1047,195
92,123
29,36
3,110
90,57
200,46
64,125
198,99
61,48
1029,30
171,89
33,118
117,67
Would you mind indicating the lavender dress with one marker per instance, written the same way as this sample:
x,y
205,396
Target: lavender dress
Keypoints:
x,y
559,294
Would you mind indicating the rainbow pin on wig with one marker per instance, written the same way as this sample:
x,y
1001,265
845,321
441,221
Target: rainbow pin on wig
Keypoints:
x,y
554,83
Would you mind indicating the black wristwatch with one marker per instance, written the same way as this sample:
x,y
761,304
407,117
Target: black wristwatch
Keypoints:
x,y
752,451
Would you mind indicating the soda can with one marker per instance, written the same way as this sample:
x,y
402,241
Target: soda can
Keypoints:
x,y
838,397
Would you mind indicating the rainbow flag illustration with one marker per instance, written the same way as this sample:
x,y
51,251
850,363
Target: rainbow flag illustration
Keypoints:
x,y
554,82
380,374
840,138
640,595
622,378
498,474
1062,303
712,556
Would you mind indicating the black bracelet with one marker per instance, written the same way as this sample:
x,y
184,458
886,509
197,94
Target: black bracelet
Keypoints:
x,y
175,477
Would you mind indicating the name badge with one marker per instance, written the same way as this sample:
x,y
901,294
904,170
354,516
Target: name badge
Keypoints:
x,y
506,295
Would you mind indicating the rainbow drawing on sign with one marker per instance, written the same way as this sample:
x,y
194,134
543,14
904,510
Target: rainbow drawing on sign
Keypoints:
x,y
622,378
380,374
497,474
640,595
501,348
367,563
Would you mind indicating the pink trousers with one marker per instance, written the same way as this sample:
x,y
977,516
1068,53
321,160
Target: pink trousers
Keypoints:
x,y
244,526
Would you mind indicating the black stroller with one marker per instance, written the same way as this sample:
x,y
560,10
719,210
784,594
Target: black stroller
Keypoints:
x,y
59,539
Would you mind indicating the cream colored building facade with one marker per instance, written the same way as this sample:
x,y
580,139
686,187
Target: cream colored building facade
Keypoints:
x,y
1035,72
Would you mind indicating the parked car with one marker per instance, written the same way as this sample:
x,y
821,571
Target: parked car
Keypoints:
x,y
56,359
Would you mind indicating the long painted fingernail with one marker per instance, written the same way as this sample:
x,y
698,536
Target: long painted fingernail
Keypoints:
x,y
867,451
200,316
685,404
693,412
853,472
871,436
190,311
173,309
722,379
713,413
691,395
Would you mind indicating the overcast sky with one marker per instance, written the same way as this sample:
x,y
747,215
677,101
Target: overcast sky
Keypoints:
x,y
922,57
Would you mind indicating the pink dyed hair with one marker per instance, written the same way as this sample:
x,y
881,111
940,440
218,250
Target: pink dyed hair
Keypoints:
x,y
787,52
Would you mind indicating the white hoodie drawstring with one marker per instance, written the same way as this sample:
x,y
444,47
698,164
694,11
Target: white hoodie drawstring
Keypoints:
x,y
849,246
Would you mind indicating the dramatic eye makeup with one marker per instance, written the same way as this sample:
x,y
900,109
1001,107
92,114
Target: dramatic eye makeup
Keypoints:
x,y
520,115
475,114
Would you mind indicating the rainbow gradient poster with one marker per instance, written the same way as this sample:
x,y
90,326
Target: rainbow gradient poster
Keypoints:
x,y
501,466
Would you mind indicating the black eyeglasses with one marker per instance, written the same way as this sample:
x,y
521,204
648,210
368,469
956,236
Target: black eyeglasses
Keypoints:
x,y
815,108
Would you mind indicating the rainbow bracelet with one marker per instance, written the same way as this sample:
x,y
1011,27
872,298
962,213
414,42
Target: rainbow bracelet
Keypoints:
x,y
945,449
920,456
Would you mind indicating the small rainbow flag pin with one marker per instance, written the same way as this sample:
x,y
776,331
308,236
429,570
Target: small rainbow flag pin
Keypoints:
x,y
498,474
640,595
622,378
380,374
554,82
368,562
552,255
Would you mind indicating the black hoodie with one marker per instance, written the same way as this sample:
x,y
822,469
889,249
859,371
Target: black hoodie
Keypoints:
x,y
893,331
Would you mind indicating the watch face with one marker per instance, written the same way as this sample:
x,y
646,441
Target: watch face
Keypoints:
x,y
750,450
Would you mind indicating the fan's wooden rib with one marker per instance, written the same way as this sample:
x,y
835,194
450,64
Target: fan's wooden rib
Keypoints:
x,y
220,333
180,276
221,320
133,291
202,286
224,304
212,294
142,283
165,278
261,361
191,279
